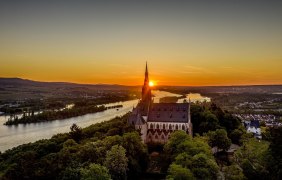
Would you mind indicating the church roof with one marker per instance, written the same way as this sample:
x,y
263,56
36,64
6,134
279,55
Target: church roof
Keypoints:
x,y
169,112
139,120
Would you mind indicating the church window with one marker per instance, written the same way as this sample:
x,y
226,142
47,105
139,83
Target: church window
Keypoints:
x,y
151,126
183,127
150,138
163,126
158,126
176,127
170,127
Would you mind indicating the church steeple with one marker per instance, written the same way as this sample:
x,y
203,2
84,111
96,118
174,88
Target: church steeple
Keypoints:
x,y
146,81
146,90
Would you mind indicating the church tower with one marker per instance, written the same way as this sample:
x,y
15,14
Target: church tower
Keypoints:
x,y
146,90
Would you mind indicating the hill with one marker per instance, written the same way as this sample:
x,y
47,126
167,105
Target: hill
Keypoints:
x,y
20,89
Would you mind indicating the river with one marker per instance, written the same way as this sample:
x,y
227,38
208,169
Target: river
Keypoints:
x,y
12,136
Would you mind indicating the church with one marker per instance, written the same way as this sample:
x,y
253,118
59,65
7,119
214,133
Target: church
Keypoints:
x,y
156,121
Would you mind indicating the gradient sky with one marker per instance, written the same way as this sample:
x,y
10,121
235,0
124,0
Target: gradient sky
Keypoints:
x,y
228,42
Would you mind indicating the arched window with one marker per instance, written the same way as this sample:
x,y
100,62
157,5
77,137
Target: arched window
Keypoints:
x,y
176,127
170,126
151,126
158,126
163,126
150,138
183,127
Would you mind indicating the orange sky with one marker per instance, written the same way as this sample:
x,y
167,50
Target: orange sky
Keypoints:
x,y
188,43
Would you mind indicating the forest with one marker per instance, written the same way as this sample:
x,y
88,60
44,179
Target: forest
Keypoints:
x,y
113,150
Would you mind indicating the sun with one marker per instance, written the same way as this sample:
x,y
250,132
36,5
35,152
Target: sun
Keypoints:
x,y
151,84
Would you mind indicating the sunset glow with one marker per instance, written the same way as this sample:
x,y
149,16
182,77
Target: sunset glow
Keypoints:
x,y
185,42
151,84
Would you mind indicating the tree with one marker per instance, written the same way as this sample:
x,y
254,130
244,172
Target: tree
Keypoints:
x,y
233,172
252,157
275,164
204,167
76,132
176,138
177,172
183,159
219,138
95,171
236,136
136,153
71,174
116,162
210,122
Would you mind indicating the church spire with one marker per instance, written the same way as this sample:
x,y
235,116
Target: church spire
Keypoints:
x,y
146,91
146,81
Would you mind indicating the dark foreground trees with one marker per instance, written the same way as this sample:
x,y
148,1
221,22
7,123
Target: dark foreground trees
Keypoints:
x,y
113,150
92,152
191,158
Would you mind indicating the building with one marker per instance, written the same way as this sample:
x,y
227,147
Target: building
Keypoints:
x,y
253,127
156,121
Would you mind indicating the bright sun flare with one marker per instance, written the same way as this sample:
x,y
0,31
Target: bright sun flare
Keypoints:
x,y
151,83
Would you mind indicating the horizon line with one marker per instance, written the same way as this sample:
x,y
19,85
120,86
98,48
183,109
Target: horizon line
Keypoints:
x,y
234,85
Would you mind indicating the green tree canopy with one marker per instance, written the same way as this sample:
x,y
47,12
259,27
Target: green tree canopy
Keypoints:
x,y
116,162
95,171
177,172
220,139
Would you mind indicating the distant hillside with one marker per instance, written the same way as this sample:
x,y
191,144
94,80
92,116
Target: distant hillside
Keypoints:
x,y
18,89
26,82
226,89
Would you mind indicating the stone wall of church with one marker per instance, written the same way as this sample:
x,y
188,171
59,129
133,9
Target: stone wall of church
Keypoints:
x,y
159,132
168,126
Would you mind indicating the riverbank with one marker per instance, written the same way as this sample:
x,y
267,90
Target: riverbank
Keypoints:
x,y
53,115
57,115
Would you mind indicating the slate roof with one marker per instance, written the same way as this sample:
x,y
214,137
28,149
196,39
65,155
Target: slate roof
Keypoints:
x,y
169,112
254,123
139,120
142,108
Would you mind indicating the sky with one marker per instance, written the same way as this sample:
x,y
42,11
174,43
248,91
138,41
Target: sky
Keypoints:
x,y
189,43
